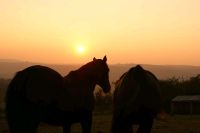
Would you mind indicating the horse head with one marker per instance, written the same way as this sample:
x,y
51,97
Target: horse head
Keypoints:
x,y
101,73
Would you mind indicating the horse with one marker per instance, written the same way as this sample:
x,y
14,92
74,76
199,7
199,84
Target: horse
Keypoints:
x,y
136,101
40,94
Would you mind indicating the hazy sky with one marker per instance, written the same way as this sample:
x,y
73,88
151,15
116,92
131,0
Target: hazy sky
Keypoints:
x,y
127,31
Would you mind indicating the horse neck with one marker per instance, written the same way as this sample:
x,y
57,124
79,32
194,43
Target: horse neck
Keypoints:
x,y
88,75
82,77
88,71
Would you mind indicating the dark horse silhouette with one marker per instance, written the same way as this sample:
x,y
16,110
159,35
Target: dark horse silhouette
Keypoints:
x,y
40,94
136,101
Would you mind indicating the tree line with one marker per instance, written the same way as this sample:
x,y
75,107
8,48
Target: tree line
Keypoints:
x,y
169,89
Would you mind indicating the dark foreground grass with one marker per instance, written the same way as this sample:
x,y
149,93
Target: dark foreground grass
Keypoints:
x,y
102,123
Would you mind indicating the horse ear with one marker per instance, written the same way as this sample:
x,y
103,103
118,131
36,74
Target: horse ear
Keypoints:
x,y
94,59
105,58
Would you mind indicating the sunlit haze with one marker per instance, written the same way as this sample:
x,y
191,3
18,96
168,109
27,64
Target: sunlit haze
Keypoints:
x,y
75,31
80,49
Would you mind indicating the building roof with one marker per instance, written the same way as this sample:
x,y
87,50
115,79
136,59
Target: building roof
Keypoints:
x,y
191,98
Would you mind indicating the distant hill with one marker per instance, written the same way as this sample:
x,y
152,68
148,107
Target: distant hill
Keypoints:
x,y
8,68
161,71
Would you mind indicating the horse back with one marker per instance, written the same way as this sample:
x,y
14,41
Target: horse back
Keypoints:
x,y
37,84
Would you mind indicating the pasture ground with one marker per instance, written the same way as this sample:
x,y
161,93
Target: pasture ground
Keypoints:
x,y
102,123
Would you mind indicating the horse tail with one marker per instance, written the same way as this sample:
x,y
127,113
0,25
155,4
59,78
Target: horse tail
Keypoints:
x,y
150,89
17,86
14,97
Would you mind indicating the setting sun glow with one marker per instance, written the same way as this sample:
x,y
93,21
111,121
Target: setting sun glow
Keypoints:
x,y
80,49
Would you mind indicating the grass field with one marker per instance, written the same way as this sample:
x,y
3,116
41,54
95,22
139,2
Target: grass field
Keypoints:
x,y
102,123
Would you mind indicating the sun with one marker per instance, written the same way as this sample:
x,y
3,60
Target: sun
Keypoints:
x,y
80,49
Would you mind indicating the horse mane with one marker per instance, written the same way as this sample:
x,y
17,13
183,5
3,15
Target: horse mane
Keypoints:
x,y
84,72
86,69
89,65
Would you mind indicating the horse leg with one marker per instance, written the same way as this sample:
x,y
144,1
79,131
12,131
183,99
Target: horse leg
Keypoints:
x,y
130,129
145,125
114,127
127,128
30,127
67,128
21,119
86,126
127,125
23,124
86,122
121,125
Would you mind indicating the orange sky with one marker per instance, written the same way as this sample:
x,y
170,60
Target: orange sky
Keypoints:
x,y
127,31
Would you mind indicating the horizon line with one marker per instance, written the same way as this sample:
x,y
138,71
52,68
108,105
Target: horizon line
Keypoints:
x,y
46,63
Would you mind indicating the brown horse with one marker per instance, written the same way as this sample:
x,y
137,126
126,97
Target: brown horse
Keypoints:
x,y
40,94
136,101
